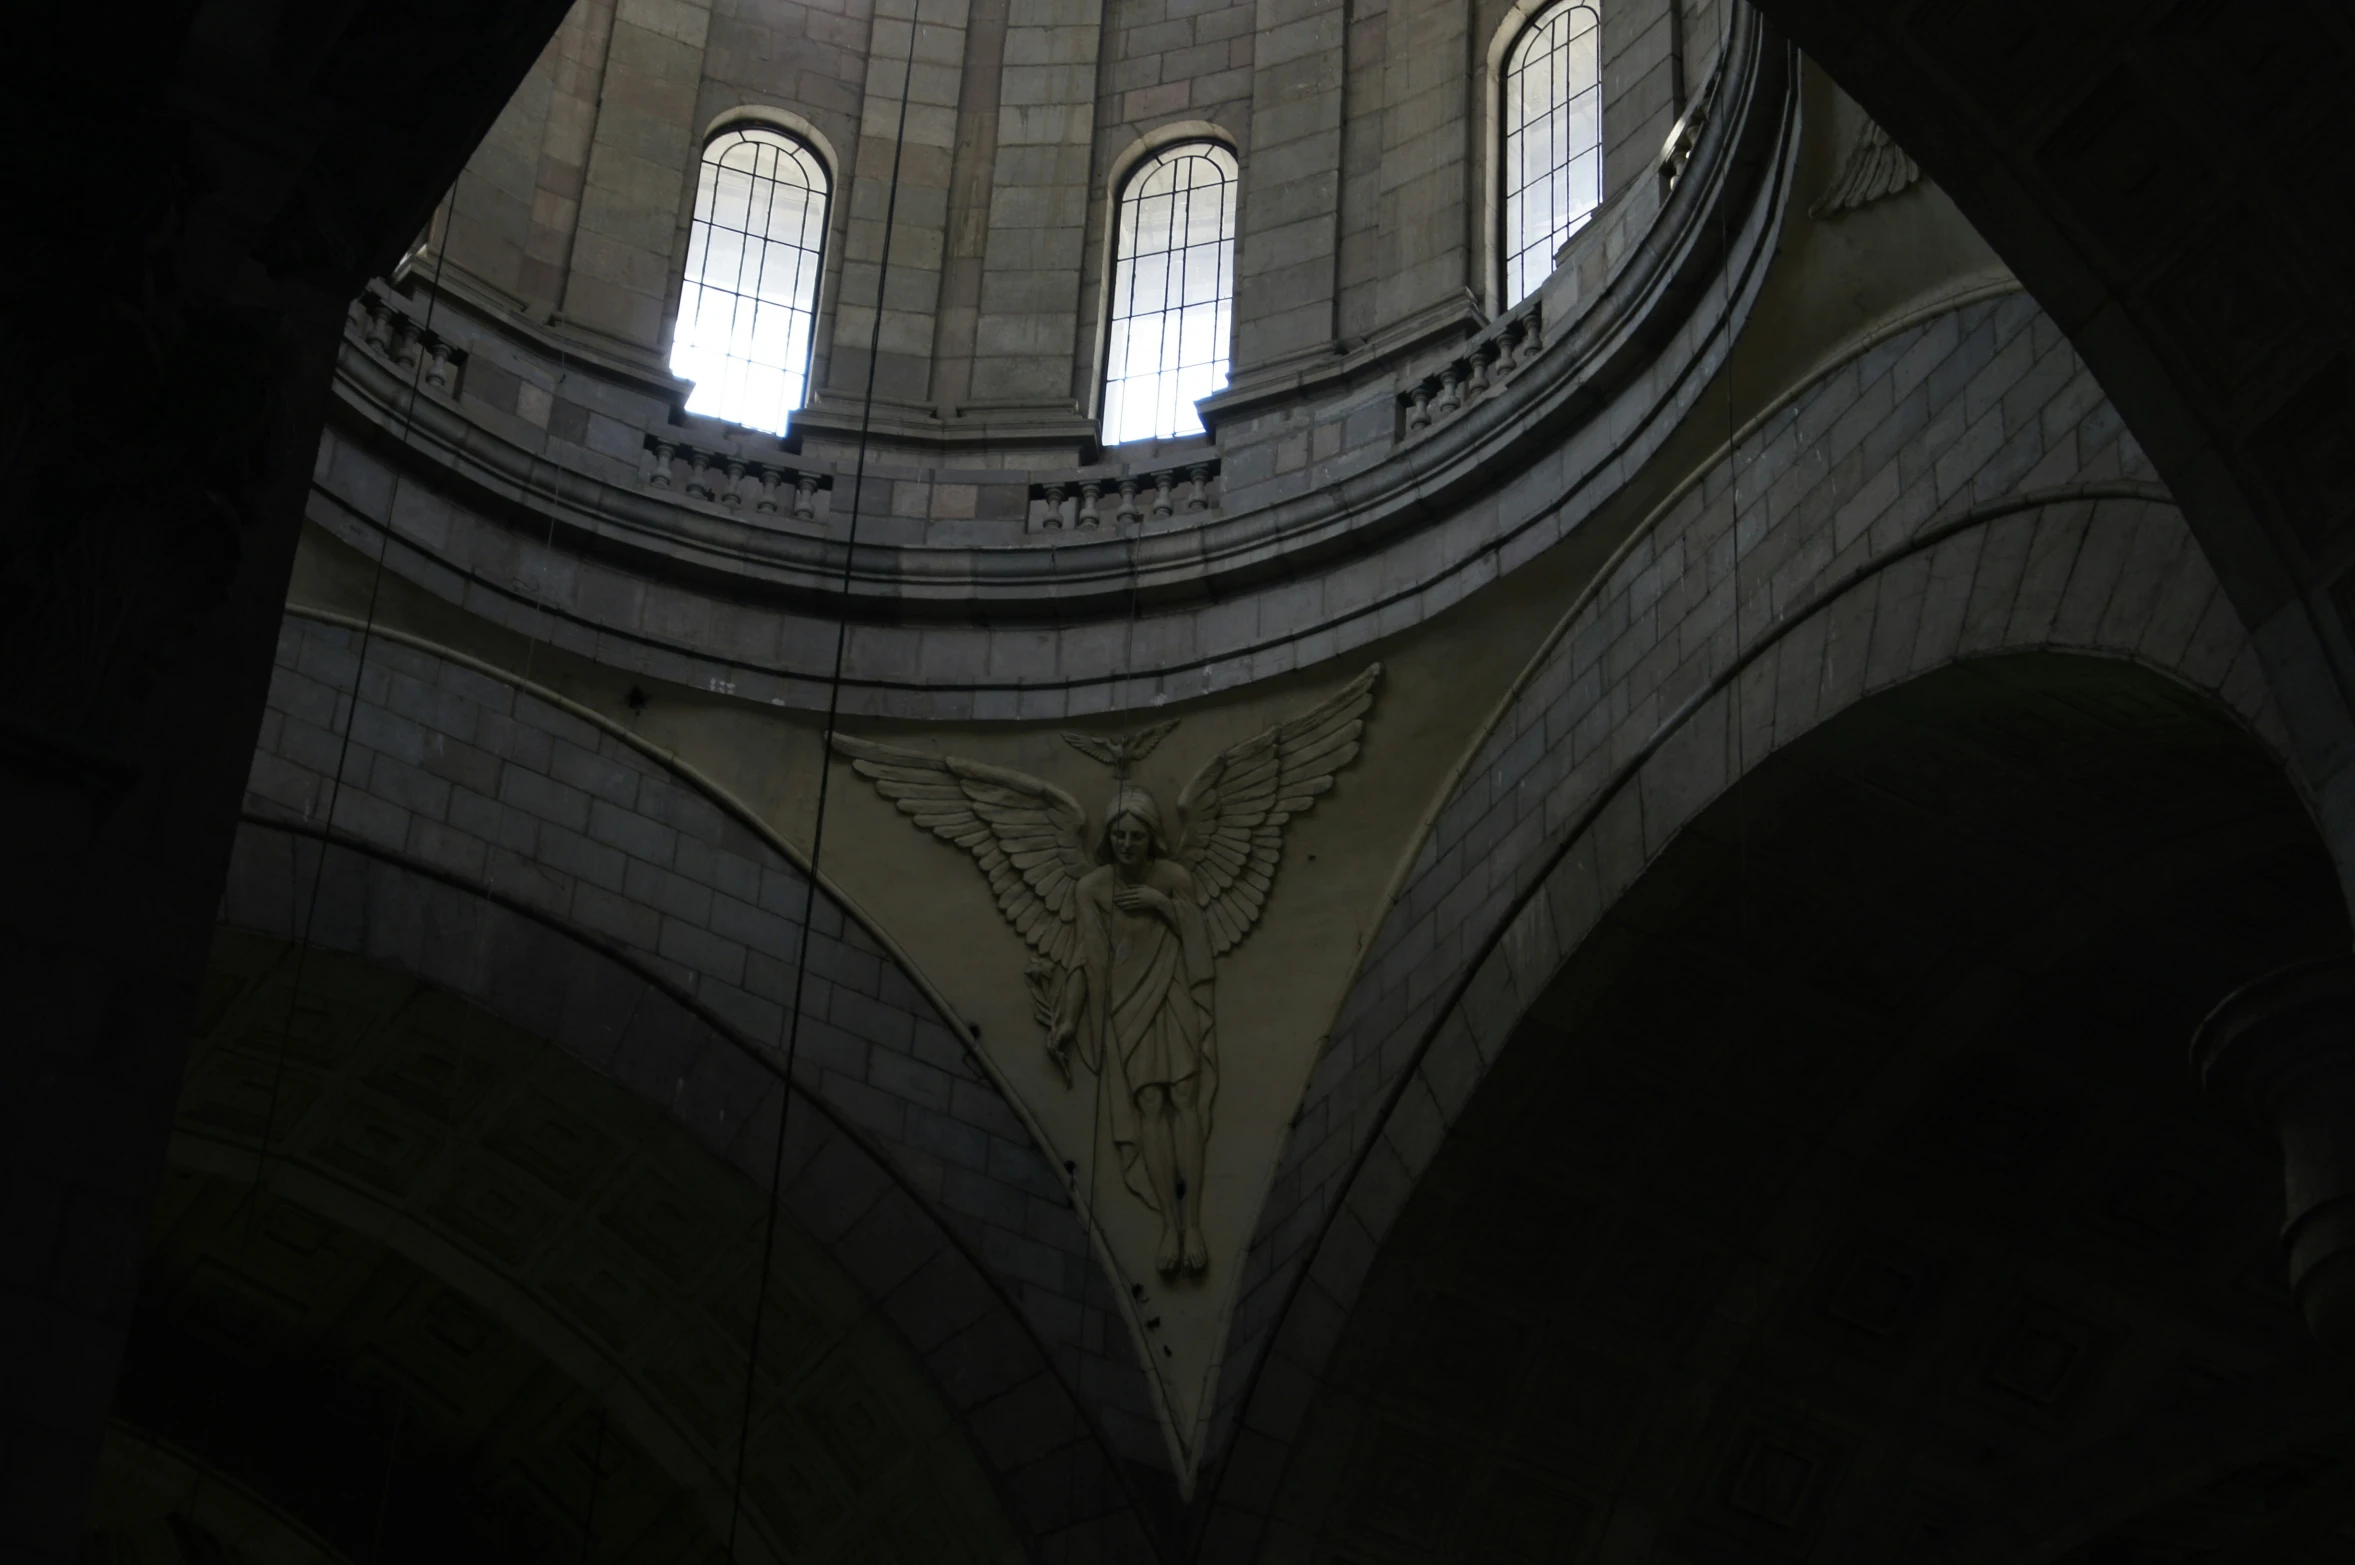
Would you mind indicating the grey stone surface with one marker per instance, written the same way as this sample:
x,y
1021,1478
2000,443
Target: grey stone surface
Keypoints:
x,y
586,831
1401,532
1652,700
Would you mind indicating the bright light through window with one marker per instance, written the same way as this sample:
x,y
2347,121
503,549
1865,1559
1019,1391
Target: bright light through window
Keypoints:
x,y
1173,293
1553,141
750,303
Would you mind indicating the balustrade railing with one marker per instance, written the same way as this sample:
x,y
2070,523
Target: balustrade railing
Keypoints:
x,y
1494,357
389,331
1150,494
712,471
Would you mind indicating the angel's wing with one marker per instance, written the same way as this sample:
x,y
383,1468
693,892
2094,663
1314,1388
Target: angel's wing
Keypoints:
x,y
1028,836
1235,808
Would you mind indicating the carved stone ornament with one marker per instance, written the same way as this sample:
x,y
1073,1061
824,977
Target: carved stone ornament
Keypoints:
x,y
1875,167
1128,920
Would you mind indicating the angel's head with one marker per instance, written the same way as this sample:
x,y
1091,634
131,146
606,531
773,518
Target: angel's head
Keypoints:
x,y
1132,829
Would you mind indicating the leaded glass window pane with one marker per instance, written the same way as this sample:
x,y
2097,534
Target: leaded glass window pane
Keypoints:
x,y
1553,162
1173,292
748,308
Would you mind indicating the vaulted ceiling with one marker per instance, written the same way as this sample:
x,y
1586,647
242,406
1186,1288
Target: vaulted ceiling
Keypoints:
x,y
2171,180
1849,1196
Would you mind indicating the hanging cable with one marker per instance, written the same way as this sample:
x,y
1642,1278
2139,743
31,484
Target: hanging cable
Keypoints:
x,y
302,932
596,1485
850,543
1745,964
392,1447
1088,1195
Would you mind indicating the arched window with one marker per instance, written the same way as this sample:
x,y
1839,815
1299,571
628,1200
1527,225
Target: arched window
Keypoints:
x,y
749,306
1553,167
1173,292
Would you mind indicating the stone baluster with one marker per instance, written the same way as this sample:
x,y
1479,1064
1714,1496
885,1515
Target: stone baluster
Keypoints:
x,y
734,493
660,478
438,367
1532,335
766,500
1420,417
2281,1051
1163,481
805,501
379,332
1451,390
1054,517
1128,511
698,473
1510,344
407,340
1199,476
1090,491
1483,357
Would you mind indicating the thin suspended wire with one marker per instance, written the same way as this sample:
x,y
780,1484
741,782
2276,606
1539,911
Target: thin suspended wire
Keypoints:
x,y
596,1486
850,543
1746,974
392,1448
1091,1194
303,942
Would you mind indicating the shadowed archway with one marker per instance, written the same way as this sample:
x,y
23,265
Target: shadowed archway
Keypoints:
x,y
1847,1194
479,1301
2167,179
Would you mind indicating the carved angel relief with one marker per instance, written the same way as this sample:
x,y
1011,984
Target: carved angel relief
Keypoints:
x,y
1128,923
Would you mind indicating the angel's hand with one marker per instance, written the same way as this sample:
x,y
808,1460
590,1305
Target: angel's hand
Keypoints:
x,y
1143,899
1059,1050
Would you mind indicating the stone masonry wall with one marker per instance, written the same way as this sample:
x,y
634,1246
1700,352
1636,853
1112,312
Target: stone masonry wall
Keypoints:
x,y
469,777
678,1334
1361,202
1980,430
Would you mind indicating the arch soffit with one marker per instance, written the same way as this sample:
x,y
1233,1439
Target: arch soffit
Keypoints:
x,y
1613,1012
648,1038
1601,859
260,900
2163,285
433,1203
2115,573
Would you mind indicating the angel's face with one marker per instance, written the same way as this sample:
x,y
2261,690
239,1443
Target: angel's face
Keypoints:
x,y
1131,842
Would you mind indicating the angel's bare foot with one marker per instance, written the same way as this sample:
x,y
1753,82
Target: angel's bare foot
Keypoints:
x,y
1197,1252
1172,1253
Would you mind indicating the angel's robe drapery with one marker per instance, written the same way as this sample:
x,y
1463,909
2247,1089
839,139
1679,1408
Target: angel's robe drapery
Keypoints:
x,y
1140,998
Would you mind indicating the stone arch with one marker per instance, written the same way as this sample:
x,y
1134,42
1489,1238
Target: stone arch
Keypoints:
x,y
1853,1144
647,1035
1960,489
490,838
394,1202
2199,300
